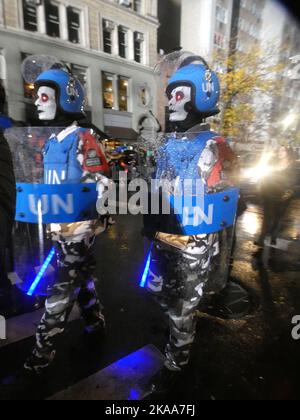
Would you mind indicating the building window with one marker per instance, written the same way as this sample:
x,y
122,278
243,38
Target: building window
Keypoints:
x,y
220,26
55,19
137,6
108,90
82,74
108,28
1,13
123,88
221,14
123,41
74,25
138,47
116,92
125,3
52,19
244,25
30,19
29,91
219,40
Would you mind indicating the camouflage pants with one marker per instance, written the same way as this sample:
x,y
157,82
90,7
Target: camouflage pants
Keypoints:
x,y
177,279
74,283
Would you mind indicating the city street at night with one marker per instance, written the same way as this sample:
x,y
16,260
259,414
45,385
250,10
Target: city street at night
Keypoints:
x,y
149,203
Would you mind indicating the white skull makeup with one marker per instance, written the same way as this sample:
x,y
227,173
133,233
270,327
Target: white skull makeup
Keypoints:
x,y
180,96
46,103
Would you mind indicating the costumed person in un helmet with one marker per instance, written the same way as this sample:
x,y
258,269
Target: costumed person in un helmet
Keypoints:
x,y
182,264
75,155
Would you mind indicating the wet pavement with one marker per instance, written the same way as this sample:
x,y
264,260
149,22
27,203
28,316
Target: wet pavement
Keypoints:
x,y
250,358
256,357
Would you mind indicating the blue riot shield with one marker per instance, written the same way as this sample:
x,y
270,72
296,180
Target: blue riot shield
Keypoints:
x,y
194,200
40,205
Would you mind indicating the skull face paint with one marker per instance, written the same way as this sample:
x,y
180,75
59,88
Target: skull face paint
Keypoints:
x,y
46,103
179,97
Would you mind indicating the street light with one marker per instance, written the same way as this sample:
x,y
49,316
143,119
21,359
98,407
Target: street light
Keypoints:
x,y
289,120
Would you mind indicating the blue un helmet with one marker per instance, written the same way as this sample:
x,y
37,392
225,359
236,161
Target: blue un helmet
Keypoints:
x,y
203,81
69,90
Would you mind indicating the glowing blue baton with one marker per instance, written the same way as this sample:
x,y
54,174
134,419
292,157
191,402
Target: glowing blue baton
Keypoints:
x,y
42,271
146,270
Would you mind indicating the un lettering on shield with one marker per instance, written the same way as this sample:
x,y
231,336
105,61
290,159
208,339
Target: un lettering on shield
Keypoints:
x,y
2,328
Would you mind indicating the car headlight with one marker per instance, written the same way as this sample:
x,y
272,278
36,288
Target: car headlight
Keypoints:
x,y
257,173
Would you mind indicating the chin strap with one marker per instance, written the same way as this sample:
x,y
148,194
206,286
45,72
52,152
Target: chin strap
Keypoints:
x,y
191,120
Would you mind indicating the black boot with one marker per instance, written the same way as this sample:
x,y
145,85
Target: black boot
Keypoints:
x,y
37,364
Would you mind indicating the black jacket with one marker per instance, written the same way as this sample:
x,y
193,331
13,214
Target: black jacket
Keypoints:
x,y
7,181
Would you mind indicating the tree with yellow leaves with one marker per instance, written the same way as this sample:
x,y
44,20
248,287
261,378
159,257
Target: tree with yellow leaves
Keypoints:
x,y
249,83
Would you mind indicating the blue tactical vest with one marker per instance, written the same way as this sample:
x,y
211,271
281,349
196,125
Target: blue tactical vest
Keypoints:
x,y
61,197
194,211
180,157
60,160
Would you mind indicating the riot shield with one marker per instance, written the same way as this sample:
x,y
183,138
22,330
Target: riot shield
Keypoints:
x,y
38,206
193,201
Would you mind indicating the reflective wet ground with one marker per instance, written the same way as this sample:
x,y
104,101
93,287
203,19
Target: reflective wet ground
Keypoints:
x,y
250,358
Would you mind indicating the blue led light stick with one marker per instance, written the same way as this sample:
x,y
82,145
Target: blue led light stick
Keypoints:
x,y
146,270
41,273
